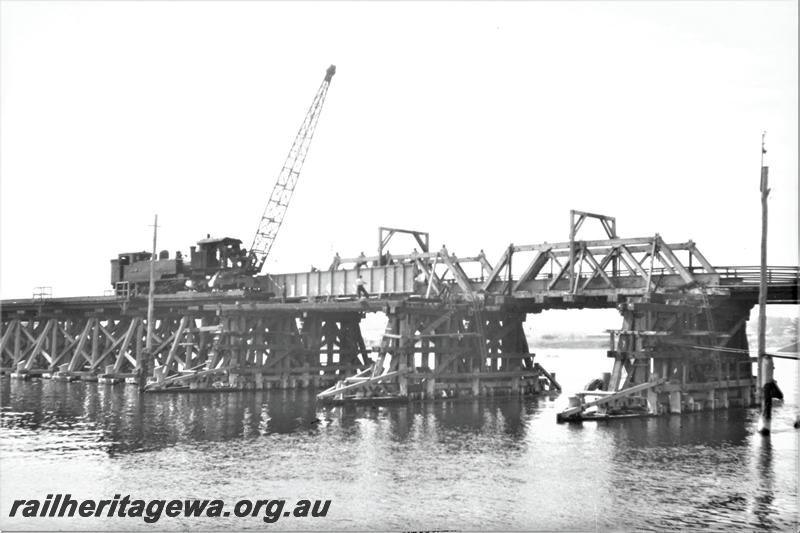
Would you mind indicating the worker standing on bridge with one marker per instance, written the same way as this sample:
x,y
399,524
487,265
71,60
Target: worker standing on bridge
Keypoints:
x,y
360,290
420,282
361,261
336,261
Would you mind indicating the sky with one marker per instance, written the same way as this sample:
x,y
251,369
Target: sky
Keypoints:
x,y
481,123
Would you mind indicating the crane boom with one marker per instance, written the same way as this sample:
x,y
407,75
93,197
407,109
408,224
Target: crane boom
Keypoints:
x,y
273,215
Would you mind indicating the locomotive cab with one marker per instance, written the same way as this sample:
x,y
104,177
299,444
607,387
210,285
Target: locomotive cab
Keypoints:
x,y
213,255
123,261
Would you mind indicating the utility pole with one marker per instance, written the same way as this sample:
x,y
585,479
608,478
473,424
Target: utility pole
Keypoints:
x,y
144,360
765,363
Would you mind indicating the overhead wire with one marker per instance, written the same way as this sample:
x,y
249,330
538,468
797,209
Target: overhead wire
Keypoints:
x,y
787,355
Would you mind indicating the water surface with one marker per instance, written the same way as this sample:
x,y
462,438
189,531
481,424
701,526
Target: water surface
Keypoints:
x,y
479,465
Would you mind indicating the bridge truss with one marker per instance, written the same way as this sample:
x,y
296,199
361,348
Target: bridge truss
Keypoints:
x,y
454,327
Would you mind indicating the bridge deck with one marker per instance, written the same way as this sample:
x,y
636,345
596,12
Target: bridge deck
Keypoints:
x,y
390,285
571,274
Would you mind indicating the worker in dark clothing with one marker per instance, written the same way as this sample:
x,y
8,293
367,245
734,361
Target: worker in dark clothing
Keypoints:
x,y
770,391
360,290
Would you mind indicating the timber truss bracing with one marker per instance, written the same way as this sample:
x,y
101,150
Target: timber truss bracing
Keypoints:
x,y
611,268
191,350
446,352
429,351
596,272
98,348
672,355
274,350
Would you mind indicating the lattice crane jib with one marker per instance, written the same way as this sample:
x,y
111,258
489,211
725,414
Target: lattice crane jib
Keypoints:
x,y
273,215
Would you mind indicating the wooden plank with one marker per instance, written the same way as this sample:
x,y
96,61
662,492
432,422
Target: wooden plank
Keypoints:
x,y
456,335
37,347
446,361
279,354
644,333
533,269
66,348
123,350
7,334
488,375
110,336
666,266
95,339
79,351
107,352
561,272
665,249
651,254
601,218
461,277
548,375
172,355
31,337
574,287
636,242
594,393
689,353
53,343
598,269
486,267
663,308
631,265
333,391
184,377
167,341
501,263
611,397
701,258
436,323
710,385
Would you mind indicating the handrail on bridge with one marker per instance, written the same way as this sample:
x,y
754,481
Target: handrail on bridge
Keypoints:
x,y
746,275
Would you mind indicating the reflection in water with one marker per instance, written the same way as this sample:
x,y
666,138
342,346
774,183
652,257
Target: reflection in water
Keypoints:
x,y
764,497
489,464
130,423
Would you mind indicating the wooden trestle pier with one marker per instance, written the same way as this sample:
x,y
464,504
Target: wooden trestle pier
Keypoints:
x,y
455,327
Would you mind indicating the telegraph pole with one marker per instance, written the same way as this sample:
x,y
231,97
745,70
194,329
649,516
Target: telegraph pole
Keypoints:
x,y
145,358
765,363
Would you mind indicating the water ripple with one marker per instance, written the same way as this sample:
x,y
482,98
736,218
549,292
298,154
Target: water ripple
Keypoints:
x,y
490,464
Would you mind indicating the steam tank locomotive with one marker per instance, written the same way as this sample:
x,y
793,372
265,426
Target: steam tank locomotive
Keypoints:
x,y
214,264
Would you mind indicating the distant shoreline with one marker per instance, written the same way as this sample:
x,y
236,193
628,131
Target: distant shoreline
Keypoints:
x,y
569,341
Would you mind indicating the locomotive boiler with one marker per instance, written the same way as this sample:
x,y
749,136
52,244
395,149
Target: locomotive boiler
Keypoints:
x,y
214,264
